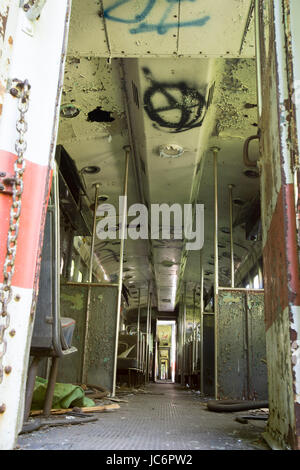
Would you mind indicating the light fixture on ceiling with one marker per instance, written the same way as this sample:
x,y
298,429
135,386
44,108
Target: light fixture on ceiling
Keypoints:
x,y
69,110
90,170
238,201
168,263
251,173
170,151
101,198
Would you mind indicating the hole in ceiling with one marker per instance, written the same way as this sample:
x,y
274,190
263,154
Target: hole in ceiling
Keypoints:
x,y
98,115
251,173
166,300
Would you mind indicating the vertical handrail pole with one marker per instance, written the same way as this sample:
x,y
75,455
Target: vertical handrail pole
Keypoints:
x,y
230,188
147,336
201,323
90,279
215,151
184,335
138,330
194,331
118,313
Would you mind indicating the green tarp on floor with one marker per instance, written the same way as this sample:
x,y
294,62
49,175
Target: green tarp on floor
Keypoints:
x,y
65,395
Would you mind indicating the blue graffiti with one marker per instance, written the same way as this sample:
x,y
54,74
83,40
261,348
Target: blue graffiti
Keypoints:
x,y
162,27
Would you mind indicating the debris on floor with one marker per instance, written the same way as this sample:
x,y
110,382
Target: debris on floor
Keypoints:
x,y
85,409
65,395
67,420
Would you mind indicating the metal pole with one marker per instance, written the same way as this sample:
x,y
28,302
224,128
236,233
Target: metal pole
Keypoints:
x,y
194,331
138,331
215,151
201,322
230,188
127,152
90,278
258,56
147,336
184,335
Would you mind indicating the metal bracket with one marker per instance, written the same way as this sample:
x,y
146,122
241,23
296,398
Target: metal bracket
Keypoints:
x,y
6,183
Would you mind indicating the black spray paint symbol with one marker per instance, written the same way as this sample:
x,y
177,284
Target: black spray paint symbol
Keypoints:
x,y
180,107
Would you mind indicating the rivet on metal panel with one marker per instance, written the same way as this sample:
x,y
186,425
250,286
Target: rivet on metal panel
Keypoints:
x,y
6,183
8,369
12,333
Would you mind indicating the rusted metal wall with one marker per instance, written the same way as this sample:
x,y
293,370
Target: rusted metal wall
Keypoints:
x,y
281,271
101,338
242,372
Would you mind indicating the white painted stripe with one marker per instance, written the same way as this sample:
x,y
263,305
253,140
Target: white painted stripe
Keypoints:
x,y
295,325
38,59
12,389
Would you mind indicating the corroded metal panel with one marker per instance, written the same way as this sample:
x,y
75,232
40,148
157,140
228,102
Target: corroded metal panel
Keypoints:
x,y
183,27
208,353
101,337
242,372
232,360
279,149
258,385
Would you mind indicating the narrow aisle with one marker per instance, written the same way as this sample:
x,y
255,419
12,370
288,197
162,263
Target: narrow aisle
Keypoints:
x,y
166,418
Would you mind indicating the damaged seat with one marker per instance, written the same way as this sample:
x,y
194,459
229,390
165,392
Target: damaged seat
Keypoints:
x,y
52,334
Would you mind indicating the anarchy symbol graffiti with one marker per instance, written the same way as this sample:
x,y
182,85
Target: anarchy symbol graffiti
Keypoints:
x,y
174,106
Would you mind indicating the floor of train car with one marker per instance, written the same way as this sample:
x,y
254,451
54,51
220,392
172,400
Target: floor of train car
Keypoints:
x,y
167,417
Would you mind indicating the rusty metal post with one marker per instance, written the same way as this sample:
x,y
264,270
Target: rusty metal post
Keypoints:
x,y
90,279
123,226
32,373
50,387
